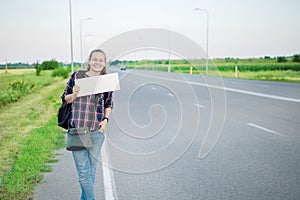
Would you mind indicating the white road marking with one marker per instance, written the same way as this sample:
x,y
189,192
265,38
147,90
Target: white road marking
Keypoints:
x,y
171,95
227,89
248,92
264,129
153,88
108,177
199,105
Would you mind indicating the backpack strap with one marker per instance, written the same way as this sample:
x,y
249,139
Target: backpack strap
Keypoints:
x,y
80,74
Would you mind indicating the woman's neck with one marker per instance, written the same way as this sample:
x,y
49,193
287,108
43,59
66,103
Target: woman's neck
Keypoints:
x,y
92,73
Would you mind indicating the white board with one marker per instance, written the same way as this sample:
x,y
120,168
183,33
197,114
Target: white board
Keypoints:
x,y
98,84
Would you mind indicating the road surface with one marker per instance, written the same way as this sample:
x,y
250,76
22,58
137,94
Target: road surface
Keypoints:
x,y
190,137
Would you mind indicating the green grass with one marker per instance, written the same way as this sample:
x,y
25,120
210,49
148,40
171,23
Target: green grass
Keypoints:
x,y
29,76
283,76
31,160
28,136
250,68
27,83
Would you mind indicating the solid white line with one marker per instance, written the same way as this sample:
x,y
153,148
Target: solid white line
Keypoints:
x,y
108,178
227,89
264,129
248,92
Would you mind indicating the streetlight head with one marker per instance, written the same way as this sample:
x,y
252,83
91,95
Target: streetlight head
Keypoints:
x,y
85,19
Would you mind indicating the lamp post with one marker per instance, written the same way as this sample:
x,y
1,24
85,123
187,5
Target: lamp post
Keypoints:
x,y
207,24
71,37
81,52
84,46
6,68
169,66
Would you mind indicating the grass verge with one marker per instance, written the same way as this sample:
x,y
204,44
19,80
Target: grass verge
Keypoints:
x,y
14,86
31,160
252,69
28,136
282,76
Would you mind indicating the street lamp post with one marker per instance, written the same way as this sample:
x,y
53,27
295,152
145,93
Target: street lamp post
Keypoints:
x,y
84,46
81,52
207,24
169,66
71,37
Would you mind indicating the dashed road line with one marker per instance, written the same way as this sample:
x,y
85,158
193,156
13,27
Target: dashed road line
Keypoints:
x,y
199,105
264,129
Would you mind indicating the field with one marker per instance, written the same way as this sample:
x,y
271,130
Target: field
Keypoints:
x,y
28,132
16,71
252,68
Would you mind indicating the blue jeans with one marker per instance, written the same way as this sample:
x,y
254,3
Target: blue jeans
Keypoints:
x,y
86,163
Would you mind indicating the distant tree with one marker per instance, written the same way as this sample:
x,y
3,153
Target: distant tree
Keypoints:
x,y
296,58
115,62
227,59
281,59
38,68
267,57
49,65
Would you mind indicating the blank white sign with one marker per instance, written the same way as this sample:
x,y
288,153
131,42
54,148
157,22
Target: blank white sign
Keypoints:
x,y
98,84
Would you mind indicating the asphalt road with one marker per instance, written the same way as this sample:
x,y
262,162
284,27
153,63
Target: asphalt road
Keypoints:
x,y
190,137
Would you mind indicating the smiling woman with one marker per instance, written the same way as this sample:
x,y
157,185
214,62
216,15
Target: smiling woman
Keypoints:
x,y
90,112
97,63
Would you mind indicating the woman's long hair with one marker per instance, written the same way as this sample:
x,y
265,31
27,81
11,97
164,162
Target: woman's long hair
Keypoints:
x,y
104,71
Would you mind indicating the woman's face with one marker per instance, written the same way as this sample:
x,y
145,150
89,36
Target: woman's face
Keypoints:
x,y
97,62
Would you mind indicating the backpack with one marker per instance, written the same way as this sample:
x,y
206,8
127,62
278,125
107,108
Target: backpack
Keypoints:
x,y
63,115
64,111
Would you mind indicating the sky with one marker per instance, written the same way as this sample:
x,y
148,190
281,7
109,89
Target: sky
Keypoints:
x,y
38,30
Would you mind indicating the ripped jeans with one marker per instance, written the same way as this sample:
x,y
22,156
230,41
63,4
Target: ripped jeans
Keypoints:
x,y
86,164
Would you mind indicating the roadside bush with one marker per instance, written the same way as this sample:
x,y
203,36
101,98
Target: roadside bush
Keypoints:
x,y
296,58
49,65
281,59
14,91
62,72
38,69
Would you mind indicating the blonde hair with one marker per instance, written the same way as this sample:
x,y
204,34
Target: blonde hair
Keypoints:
x,y
104,71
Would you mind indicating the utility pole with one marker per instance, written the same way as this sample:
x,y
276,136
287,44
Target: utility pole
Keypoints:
x,y
207,34
71,36
6,68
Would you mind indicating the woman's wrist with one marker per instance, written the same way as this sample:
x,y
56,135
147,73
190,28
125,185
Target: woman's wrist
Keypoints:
x,y
105,118
70,98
